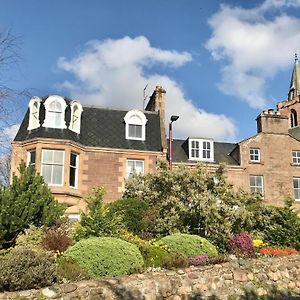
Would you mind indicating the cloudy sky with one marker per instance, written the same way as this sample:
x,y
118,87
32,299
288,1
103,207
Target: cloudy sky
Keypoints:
x,y
221,62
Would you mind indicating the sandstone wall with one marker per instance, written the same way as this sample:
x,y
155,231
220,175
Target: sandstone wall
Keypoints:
x,y
237,277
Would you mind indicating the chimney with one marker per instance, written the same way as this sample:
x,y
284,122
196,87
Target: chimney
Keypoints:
x,y
270,121
157,103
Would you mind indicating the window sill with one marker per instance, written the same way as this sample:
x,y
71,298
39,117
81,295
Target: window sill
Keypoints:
x,y
295,165
255,162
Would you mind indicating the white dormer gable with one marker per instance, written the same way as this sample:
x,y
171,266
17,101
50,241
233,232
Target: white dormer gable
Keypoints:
x,y
201,149
135,128
34,113
75,121
55,107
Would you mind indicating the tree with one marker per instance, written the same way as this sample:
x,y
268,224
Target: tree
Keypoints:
x,y
27,201
195,201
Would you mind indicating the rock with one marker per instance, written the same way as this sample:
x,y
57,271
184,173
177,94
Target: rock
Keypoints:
x,y
50,292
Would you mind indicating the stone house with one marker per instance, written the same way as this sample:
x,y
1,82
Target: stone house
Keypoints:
x,y
78,147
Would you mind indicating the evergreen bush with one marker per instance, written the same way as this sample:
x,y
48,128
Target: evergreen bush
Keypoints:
x,y
188,245
105,256
23,269
131,210
27,201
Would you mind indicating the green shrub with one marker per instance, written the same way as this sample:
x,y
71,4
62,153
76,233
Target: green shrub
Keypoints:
x,y
154,256
188,245
105,256
176,262
31,237
69,270
283,226
23,269
131,212
97,221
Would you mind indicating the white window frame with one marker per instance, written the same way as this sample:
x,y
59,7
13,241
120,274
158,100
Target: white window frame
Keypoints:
x,y
135,161
29,163
135,117
34,113
75,121
256,188
296,190
254,155
52,164
48,122
76,170
201,149
296,157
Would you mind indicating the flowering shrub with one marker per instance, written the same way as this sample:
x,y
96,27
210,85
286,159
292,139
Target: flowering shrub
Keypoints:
x,y
241,244
198,260
272,251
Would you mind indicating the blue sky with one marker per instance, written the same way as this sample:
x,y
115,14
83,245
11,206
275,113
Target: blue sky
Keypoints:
x,y
221,62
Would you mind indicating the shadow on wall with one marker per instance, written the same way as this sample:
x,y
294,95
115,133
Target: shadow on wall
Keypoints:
x,y
121,293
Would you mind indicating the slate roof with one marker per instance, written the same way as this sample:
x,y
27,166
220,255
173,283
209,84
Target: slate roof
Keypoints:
x,y
221,152
100,127
295,132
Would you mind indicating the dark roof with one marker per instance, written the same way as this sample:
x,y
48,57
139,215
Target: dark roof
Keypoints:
x,y
100,127
221,152
295,132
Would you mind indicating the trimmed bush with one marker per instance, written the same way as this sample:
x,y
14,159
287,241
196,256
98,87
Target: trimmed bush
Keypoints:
x,y
23,269
241,244
131,211
106,256
188,245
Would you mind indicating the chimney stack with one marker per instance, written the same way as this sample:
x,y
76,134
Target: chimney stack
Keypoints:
x,y
157,103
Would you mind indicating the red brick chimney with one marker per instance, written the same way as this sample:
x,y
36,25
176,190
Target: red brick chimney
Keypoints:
x,y
157,103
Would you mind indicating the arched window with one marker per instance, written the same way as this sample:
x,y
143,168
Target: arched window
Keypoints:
x,y
34,113
135,122
75,122
294,120
55,112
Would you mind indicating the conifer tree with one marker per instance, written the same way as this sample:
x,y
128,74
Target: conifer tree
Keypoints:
x,y
27,201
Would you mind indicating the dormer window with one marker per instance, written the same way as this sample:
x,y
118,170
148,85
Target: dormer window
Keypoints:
x,y
55,112
34,113
201,150
135,128
75,122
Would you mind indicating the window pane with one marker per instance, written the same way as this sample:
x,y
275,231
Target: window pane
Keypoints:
x,y
138,131
57,174
296,182
72,180
73,159
47,156
46,173
58,157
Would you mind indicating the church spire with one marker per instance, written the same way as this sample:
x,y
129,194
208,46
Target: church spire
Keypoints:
x,y
295,81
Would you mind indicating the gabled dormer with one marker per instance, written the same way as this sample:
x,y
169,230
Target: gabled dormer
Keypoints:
x,y
34,113
55,107
135,125
75,120
201,149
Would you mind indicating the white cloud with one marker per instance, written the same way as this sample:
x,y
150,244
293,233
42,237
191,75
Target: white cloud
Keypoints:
x,y
114,73
10,132
253,47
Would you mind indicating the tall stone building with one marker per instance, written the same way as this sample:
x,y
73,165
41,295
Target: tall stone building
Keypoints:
x,y
78,147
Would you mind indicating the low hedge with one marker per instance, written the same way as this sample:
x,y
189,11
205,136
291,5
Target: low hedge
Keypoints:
x,y
188,245
106,256
23,269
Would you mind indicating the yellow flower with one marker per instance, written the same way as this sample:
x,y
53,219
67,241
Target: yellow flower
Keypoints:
x,y
258,243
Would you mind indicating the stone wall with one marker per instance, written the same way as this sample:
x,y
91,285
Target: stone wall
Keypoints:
x,y
237,277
